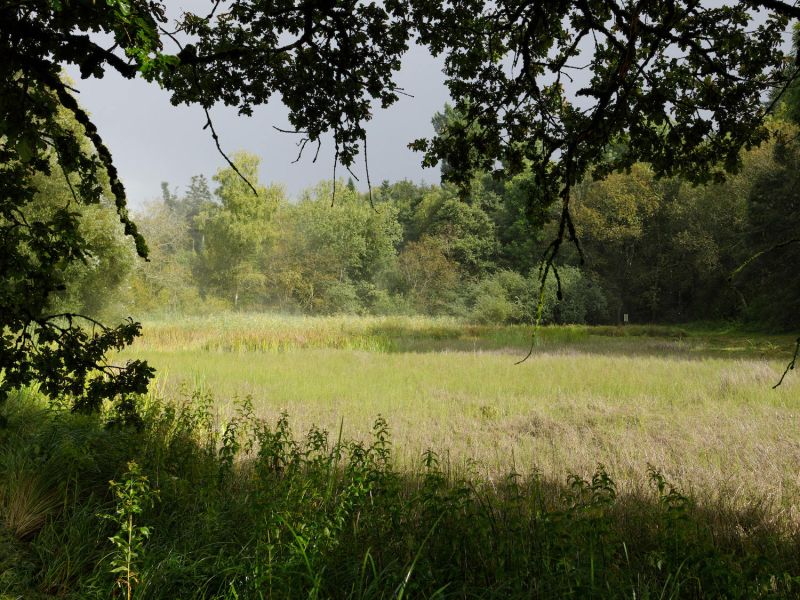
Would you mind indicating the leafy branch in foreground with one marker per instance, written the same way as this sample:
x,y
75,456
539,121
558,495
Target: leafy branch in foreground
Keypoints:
x,y
44,132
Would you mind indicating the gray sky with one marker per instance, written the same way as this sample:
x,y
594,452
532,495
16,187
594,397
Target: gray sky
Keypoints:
x,y
153,141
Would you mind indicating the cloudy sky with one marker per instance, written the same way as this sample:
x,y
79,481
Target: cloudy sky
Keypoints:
x,y
153,141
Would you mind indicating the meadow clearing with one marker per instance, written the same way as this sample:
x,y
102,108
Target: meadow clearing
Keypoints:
x,y
695,402
635,462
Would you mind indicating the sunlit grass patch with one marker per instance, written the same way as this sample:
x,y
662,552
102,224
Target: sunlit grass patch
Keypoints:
x,y
623,396
257,332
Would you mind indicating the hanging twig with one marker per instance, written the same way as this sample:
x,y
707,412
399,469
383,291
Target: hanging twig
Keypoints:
x,y
292,131
366,168
213,10
316,154
210,125
335,162
353,175
566,228
791,365
302,145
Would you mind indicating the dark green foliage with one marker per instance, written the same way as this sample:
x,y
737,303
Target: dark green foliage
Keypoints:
x,y
328,259
786,99
407,197
769,278
188,207
426,276
44,131
520,224
466,230
234,231
246,509
508,297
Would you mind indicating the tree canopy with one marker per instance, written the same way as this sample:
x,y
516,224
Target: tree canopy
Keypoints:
x,y
675,84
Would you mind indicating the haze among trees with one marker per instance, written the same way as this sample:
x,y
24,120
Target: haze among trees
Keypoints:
x,y
660,250
660,188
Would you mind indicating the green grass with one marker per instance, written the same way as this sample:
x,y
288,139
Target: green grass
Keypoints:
x,y
636,462
243,508
696,402
236,332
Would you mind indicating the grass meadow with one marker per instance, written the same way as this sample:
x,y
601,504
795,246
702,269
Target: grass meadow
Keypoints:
x,y
398,458
698,403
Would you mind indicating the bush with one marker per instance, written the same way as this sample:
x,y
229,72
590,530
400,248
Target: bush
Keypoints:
x,y
492,308
341,297
499,299
507,297
583,301
379,301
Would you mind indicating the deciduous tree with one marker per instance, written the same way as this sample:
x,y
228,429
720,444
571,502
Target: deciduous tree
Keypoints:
x,y
237,231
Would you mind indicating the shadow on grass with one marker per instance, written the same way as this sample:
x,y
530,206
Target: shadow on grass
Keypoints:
x,y
630,341
246,509
268,334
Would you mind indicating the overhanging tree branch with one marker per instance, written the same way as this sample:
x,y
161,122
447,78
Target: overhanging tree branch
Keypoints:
x,y
782,8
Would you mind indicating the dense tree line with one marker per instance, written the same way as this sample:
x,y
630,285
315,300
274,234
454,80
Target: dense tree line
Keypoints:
x,y
656,249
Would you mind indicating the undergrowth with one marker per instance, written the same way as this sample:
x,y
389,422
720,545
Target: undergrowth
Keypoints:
x,y
190,506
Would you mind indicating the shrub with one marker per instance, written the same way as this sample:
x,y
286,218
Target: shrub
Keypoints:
x,y
583,301
341,297
499,299
507,297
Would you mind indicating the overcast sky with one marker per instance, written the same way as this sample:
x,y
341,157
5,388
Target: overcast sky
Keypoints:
x,y
153,141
